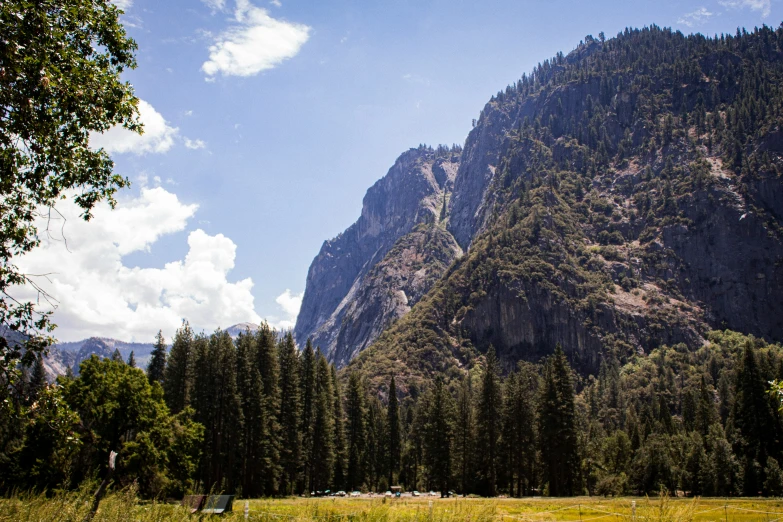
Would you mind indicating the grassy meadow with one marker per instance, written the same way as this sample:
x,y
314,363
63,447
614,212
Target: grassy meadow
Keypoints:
x,y
124,506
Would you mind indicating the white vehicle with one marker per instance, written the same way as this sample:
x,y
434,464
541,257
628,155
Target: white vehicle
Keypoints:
x,y
340,493
433,494
356,493
387,494
416,494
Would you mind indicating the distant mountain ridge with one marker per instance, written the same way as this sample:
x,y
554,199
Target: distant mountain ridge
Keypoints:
x,y
70,354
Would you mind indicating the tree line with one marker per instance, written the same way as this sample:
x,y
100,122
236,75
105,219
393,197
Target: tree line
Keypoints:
x,y
256,416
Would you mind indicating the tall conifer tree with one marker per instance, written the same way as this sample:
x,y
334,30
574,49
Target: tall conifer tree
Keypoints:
x,y
289,414
355,431
488,425
157,364
438,438
323,450
393,435
465,435
178,377
307,369
557,427
340,457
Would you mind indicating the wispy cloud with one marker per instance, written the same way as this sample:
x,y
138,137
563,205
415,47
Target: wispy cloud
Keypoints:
x,y
755,5
276,3
695,18
215,5
256,42
416,79
194,144
123,4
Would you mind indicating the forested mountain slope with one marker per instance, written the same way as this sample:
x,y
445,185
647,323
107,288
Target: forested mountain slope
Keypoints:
x,y
620,198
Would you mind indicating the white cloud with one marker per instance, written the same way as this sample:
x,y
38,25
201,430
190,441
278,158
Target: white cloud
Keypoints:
x,y
756,5
123,4
290,303
276,3
158,136
697,17
194,144
416,79
256,42
100,295
215,5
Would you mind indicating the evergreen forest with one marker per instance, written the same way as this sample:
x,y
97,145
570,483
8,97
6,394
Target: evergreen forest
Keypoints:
x,y
257,417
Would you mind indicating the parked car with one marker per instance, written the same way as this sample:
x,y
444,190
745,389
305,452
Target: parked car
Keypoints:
x,y
356,493
387,494
340,493
416,494
433,494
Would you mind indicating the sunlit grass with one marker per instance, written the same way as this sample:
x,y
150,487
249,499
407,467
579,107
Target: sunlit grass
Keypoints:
x,y
124,506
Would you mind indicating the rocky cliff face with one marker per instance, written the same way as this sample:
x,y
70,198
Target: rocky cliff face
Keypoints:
x,y
349,298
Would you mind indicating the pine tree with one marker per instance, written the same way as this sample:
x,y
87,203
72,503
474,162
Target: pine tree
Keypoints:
x,y
438,436
355,431
117,356
374,456
488,426
307,372
218,406
323,450
256,462
289,414
132,360
157,364
268,365
393,435
178,376
522,432
706,415
752,417
340,456
38,380
557,427
465,435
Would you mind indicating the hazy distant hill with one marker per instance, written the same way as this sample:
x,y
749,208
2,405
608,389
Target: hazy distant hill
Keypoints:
x,y
71,354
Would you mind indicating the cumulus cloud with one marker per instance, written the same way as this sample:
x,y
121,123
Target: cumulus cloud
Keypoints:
x,y
194,144
697,17
254,43
289,302
100,295
756,5
158,135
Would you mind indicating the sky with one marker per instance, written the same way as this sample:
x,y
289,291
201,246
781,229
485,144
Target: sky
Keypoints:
x,y
266,122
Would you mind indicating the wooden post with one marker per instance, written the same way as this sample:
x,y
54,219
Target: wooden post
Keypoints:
x,y
633,510
102,489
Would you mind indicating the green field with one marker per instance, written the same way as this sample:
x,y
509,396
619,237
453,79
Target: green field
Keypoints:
x,y
125,507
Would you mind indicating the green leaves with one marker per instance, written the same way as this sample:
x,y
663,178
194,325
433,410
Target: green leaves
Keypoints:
x,y
60,67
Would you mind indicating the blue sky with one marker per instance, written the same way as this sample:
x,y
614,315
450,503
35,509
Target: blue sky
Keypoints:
x,y
267,122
